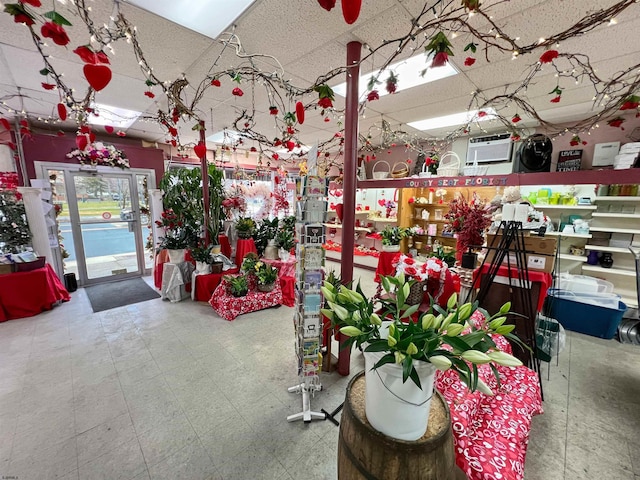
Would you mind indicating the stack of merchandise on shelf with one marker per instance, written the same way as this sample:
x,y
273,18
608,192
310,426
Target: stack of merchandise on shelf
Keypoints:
x,y
627,157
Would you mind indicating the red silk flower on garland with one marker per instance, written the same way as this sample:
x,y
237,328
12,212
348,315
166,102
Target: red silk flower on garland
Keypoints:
x,y
440,49
549,56
630,103
616,123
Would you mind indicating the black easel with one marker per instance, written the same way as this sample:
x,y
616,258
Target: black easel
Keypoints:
x,y
511,246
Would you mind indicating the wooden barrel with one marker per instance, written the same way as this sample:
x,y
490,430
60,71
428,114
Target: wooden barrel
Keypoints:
x,y
365,453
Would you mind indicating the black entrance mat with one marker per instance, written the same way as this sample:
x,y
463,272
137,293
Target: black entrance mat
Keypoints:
x,y
118,294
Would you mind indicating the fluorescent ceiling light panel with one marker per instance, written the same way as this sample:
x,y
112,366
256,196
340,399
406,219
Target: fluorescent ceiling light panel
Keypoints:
x,y
208,17
408,72
451,120
224,136
115,116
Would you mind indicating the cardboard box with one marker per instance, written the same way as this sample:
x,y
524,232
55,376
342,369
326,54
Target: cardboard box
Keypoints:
x,y
541,252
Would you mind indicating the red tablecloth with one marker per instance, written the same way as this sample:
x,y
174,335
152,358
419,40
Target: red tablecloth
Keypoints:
x,y
288,287
206,284
26,294
385,265
229,307
545,279
285,268
243,247
491,433
225,246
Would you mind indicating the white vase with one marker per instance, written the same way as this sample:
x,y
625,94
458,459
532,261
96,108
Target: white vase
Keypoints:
x,y
176,256
390,248
271,252
203,267
284,255
398,410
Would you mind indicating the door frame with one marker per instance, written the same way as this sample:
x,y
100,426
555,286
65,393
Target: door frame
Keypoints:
x,y
42,168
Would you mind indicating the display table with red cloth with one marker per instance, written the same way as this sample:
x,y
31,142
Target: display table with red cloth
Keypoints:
x,y
229,307
385,265
491,433
288,287
25,294
244,246
544,279
206,284
286,268
225,246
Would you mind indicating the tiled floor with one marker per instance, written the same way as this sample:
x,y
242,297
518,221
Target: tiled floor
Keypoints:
x,y
159,390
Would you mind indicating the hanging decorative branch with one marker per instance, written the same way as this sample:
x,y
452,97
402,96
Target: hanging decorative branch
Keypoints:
x,y
431,30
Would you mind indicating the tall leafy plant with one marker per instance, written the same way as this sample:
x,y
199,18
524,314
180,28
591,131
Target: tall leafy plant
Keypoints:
x,y
183,193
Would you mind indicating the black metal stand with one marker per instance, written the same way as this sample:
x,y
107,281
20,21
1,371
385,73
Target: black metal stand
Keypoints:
x,y
511,247
331,415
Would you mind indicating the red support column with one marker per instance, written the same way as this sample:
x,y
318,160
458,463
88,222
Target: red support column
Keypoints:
x,y
350,182
205,185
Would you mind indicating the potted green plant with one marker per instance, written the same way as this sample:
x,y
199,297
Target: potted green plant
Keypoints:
x,y
238,285
403,348
245,226
177,235
391,238
202,256
264,238
249,263
266,275
448,257
285,242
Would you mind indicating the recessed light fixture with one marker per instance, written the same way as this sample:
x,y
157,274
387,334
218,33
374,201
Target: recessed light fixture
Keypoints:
x,y
208,17
408,72
451,120
114,116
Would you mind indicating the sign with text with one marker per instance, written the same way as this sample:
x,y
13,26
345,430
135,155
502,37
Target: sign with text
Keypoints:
x,y
484,181
569,160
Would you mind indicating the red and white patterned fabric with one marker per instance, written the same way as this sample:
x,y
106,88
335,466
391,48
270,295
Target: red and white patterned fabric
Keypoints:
x,y
491,433
229,307
285,268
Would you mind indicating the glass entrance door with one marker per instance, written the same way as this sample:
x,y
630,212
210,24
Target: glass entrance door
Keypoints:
x,y
107,236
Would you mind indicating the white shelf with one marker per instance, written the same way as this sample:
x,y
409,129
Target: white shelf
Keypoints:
x,y
612,271
338,225
569,235
616,215
615,230
604,248
565,207
567,256
384,220
359,212
629,301
617,199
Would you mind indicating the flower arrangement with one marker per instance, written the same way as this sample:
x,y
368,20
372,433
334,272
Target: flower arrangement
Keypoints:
x,y
388,205
201,253
468,219
234,204
265,273
456,337
249,263
393,235
432,162
245,227
238,285
176,234
99,153
406,265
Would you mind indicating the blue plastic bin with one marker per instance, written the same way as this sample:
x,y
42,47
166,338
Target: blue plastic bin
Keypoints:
x,y
583,317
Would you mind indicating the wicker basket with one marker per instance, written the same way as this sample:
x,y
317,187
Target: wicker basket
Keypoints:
x,y
475,170
416,293
449,165
424,173
379,175
400,170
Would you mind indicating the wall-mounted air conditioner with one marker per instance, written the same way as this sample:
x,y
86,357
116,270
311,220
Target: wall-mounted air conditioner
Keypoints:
x,y
489,149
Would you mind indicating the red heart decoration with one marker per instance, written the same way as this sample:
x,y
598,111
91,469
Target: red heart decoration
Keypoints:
x,y
82,141
327,4
108,128
98,76
200,149
351,10
62,111
92,137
